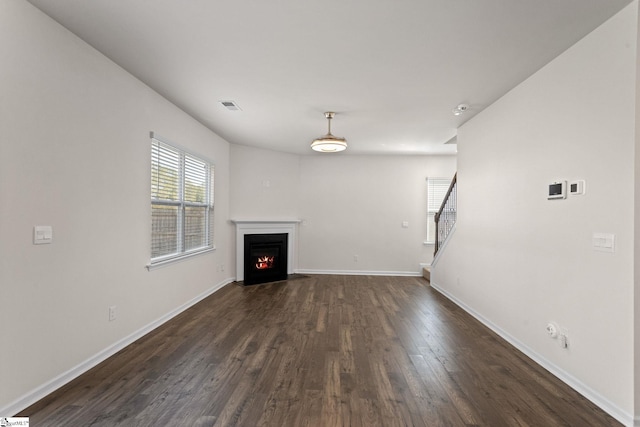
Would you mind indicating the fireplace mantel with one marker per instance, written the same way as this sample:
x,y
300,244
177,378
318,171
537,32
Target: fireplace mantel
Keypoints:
x,y
289,226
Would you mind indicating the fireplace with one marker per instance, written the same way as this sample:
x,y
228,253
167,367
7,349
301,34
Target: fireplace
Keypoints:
x,y
265,258
287,226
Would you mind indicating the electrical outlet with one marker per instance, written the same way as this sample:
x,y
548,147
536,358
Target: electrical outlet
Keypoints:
x,y
552,330
112,313
355,258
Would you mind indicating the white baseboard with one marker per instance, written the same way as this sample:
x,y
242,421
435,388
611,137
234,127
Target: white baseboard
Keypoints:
x,y
363,273
595,397
38,393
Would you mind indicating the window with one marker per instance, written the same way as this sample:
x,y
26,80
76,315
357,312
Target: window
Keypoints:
x,y
436,190
181,203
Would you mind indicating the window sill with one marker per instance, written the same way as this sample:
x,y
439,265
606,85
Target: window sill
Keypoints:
x,y
179,258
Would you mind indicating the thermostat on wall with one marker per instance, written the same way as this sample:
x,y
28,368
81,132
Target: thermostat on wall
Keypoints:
x,y
557,190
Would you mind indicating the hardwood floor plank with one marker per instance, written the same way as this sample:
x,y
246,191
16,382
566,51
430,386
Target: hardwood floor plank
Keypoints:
x,y
319,351
439,400
331,408
347,361
310,411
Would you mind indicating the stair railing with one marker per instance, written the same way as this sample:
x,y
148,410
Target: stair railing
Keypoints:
x,y
445,218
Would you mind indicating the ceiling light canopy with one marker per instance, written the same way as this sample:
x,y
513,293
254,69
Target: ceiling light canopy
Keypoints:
x,y
329,143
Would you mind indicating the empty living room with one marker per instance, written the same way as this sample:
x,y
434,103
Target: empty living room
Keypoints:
x,y
418,213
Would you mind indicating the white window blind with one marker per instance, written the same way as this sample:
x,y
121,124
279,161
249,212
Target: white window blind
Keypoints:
x,y
436,190
181,202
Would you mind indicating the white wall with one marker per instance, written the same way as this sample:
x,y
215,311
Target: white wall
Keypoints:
x,y
349,205
74,154
355,206
518,260
264,183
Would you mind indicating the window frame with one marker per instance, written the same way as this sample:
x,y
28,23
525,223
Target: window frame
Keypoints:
x,y
180,200
436,186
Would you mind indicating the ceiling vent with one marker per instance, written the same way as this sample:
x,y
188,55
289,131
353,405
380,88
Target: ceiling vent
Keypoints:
x,y
230,105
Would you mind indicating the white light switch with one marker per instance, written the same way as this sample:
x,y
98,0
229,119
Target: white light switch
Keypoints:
x,y
42,234
405,224
603,242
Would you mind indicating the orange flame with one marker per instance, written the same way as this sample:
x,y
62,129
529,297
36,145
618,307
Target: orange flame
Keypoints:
x,y
265,262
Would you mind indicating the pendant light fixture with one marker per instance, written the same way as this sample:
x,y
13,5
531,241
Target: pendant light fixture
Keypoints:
x,y
329,143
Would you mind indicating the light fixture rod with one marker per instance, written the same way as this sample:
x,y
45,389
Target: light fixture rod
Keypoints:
x,y
329,115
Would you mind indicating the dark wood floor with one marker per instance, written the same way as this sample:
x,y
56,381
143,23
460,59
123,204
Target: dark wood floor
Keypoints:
x,y
319,351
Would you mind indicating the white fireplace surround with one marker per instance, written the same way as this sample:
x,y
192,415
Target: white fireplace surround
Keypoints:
x,y
266,227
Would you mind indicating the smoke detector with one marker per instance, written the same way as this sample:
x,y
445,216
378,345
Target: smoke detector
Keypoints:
x,y
459,109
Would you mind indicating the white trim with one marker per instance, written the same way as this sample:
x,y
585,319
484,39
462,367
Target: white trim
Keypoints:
x,y
52,385
605,404
180,258
266,227
278,221
362,273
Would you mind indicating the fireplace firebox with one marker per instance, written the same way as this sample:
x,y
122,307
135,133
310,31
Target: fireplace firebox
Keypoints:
x,y
265,258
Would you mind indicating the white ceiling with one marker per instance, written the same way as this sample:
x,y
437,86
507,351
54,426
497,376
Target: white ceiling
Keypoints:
x,y
392,70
